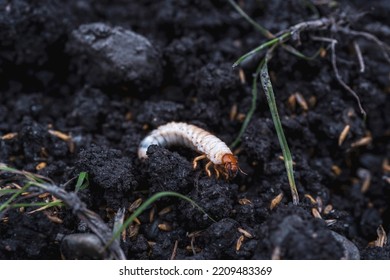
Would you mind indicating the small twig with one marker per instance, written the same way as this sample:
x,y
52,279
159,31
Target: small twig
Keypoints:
x,y
340,80
368,36
174,251
359,56
295,30
333,43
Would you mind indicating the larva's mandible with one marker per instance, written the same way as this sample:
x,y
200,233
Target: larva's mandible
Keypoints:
x,y
191,136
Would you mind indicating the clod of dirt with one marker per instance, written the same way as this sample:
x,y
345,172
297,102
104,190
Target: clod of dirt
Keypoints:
x,y
167,171
221,238
159,113
16,237
215,197
376,253
100,163
89,109
292,233
257,140
212,80
113,55
369,223
22,25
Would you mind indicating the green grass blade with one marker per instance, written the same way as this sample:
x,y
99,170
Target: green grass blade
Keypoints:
x,y
251,111
257,26
82,182
38,204
299,54
13,197
7,191
145,205
267,86
267,44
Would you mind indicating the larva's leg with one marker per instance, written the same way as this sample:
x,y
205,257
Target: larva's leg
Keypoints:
x,y
195,161
216,171
207,168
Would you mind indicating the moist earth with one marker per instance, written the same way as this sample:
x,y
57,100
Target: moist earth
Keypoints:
x,y
105,73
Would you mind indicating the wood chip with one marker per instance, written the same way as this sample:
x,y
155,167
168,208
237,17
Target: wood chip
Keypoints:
x,y
165,227
65,137
233,112
135,205
336,170
328,209
245,233
9,136
362,142
40,166
312,200
292,102
152,213
386,165
137,221
301,101
343,134
44,195
365,176
241,75
165,211
240,117
315,213
275,202
381,241
61,135
244,201
240,240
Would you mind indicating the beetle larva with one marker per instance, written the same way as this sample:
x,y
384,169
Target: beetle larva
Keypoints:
x,y
196,138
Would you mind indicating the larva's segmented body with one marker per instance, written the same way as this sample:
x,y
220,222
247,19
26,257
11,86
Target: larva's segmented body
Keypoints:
x,y
196,138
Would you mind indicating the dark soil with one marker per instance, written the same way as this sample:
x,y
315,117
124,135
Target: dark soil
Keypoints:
x,y
108,72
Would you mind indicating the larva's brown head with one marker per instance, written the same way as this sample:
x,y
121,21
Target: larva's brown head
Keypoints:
x,y
231,165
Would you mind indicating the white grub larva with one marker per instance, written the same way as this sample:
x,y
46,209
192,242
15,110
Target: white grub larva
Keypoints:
x,y
196,138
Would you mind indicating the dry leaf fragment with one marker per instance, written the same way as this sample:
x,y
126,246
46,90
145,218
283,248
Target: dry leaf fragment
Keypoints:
x,y
275,202
343,134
